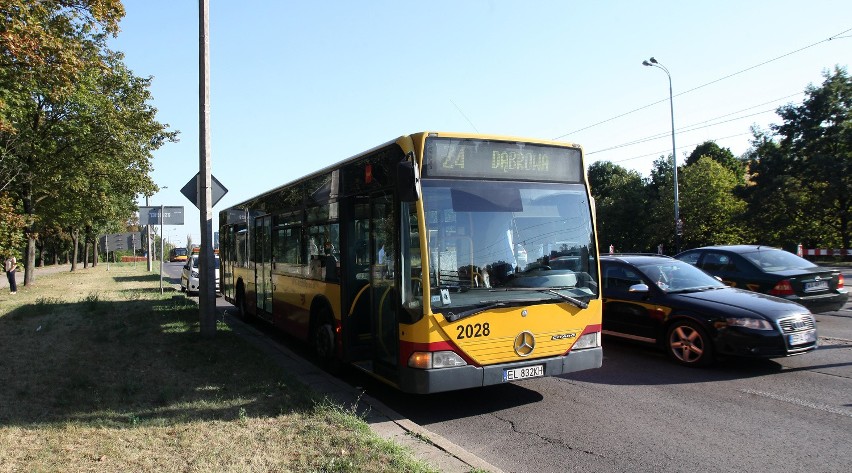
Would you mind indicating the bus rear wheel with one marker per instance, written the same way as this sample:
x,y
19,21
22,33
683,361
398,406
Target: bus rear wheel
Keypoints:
x,y
241,303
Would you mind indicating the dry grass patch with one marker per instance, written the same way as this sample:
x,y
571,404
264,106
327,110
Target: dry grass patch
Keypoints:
x,y
100,372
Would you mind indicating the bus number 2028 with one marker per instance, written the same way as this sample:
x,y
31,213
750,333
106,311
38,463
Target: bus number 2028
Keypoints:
x,y
473,331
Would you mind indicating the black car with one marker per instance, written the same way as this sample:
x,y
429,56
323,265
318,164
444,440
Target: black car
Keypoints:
x,y
695,317
772,271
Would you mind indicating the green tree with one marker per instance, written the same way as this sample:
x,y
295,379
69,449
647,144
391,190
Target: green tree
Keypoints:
x,y
50,42
799,176
620,203
79,151
816,136
11,227
44,48
723,156
710,210
108,162
777,203
659,192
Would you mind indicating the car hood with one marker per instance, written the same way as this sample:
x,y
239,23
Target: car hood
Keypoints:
x,y
737,301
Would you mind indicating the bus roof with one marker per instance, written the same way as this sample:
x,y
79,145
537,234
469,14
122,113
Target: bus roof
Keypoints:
x,y
418,139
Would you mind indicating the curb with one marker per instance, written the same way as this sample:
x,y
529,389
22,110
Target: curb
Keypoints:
x,y
437,451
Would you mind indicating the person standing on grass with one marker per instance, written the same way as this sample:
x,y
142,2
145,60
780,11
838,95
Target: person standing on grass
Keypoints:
x,y
11,265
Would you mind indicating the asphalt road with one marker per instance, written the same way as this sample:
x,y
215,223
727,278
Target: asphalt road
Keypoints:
x,y
641,412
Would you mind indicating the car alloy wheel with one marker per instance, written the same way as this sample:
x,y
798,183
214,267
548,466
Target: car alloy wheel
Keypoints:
x,y
689,344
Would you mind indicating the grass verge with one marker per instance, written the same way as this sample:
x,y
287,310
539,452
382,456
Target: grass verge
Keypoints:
x,y
100,372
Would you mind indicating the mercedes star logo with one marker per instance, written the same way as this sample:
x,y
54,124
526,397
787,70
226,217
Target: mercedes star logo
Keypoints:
x,y
524,344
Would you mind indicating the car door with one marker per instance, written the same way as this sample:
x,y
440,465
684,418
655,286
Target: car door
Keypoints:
x,y
627,313
720,265
731,268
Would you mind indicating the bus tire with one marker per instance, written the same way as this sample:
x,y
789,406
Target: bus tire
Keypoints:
x,y
323,340
241,303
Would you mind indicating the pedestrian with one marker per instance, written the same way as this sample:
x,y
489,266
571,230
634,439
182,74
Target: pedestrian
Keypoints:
x,y
11,265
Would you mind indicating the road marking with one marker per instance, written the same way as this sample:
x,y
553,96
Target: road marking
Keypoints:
x,y
799,402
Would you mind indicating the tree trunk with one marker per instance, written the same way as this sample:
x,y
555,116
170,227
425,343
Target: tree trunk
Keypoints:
x,y
29,211
86,250
75,238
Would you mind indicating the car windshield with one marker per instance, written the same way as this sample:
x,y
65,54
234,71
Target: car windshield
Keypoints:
x,y
777,260
493,242
677,276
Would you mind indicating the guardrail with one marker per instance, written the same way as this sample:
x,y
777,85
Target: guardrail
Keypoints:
x,y
825,252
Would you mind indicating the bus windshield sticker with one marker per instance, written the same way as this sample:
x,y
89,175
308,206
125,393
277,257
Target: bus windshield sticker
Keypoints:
x,y
445,296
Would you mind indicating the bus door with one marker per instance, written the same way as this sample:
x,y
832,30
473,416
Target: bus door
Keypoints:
x,y
263,266
371,301
385,294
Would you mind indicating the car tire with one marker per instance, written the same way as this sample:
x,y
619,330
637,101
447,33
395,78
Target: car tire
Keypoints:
x,y
688,344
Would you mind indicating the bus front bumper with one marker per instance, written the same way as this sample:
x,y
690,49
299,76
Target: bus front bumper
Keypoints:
x,y
463,377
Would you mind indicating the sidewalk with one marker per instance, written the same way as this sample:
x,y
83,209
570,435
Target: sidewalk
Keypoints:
x,y
19,274
437,451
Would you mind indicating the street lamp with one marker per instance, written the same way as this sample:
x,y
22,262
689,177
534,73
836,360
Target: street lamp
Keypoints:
x,y
678,224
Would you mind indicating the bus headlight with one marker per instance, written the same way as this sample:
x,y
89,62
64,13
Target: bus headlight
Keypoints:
x,y
425,360
589,340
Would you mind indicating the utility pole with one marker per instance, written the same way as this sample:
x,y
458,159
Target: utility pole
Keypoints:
x,y
207,279
147,240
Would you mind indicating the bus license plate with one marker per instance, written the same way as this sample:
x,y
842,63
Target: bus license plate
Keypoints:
x,y
816,286
523,373
802,337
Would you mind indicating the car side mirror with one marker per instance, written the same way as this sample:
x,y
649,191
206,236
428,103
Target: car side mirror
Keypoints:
x,y
638,288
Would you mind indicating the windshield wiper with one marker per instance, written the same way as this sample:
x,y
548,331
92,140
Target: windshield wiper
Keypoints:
x,y
575,302
552,290
452,317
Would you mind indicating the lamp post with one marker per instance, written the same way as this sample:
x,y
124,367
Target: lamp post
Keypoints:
x,y
678,224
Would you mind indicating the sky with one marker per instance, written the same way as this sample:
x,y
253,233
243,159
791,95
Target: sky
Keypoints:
x,y
297,86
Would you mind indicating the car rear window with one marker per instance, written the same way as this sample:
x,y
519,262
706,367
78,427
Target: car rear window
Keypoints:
x,y
777,260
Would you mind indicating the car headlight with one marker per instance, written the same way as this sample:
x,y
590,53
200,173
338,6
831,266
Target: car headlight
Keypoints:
x,y
748,322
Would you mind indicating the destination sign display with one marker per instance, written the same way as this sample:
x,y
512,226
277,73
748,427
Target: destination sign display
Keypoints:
x,y
478,159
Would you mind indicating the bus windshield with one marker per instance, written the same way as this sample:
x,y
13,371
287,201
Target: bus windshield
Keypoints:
x,y
508,241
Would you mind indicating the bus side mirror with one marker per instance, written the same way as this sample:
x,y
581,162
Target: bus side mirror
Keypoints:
x,y
408,181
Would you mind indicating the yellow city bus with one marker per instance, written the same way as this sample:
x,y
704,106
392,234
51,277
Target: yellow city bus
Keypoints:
x,y
177,254
433,262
